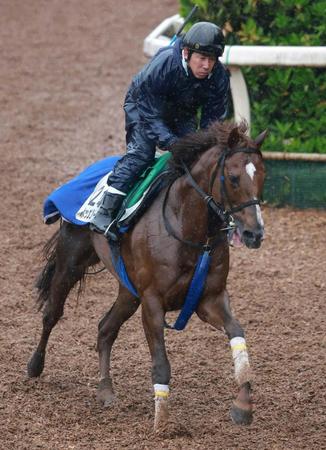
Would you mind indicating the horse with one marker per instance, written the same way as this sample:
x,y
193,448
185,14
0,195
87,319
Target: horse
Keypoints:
x,y
215,193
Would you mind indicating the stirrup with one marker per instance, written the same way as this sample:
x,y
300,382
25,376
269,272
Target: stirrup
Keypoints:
x,y
94,228
112,233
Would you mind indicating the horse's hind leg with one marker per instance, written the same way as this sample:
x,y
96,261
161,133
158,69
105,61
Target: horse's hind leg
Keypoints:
x,y
216,311
70,257
123,308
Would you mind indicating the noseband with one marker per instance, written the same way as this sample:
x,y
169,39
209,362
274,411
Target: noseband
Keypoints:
x,y
225,215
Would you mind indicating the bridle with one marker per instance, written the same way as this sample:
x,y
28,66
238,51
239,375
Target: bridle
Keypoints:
x,y
217,208
224,194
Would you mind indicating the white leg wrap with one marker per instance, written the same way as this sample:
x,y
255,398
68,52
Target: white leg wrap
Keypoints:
x,y
241,360
161,407
161,391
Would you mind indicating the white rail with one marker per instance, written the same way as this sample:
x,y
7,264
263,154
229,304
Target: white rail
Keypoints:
x,y
236,56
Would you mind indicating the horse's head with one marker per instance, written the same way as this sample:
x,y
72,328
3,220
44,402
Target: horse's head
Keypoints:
x,y
227,170
242,174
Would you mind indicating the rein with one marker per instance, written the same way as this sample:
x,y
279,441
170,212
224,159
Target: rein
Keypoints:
x,y
219,210
208,246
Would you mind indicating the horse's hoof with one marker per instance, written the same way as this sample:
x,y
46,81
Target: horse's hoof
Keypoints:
x,y
105,395
241,416
35,365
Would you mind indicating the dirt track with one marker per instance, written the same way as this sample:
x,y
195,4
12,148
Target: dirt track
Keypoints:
x,y
64,70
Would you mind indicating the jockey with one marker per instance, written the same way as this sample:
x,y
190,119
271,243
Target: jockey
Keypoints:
x,y
162,105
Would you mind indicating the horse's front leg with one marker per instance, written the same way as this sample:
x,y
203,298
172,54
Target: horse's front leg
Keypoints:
x,y
216,311
153,322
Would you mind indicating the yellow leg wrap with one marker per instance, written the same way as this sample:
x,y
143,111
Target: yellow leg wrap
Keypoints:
x,y
161,394
239,347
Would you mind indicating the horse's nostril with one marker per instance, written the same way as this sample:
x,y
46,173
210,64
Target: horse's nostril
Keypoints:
x,y
248,234
253,234
252,239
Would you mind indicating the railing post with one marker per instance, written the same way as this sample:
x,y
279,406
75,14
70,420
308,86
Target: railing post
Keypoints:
x,y
240,96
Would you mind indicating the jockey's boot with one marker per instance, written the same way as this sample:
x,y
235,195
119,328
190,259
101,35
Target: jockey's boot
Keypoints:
x,y
104,219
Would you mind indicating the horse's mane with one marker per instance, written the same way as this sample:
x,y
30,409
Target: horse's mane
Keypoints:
x,y
191,146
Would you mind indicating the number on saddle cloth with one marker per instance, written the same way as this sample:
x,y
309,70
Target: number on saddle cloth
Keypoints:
x,y
143,193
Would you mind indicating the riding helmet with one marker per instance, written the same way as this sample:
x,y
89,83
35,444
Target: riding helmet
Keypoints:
x,y
206,38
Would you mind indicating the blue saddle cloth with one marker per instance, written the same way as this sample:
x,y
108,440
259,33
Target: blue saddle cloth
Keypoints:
x,y
68,198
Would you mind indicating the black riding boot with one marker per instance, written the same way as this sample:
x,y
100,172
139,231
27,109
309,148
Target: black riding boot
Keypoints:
x,y
103,221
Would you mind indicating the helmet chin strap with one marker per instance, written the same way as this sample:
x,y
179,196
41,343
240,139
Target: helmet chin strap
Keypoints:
x,y
185,62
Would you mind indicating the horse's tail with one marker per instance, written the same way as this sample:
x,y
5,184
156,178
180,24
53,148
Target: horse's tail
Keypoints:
x,y
44,280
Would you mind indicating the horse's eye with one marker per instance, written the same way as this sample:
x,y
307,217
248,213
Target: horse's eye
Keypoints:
x,y
234,180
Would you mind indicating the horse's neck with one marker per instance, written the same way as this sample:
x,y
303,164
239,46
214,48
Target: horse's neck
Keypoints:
x,y
203,168
188,206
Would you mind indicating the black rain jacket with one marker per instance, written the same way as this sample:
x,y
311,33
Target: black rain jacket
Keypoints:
x,y
164,97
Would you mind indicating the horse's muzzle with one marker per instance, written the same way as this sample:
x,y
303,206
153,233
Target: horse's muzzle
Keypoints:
x,y
253,239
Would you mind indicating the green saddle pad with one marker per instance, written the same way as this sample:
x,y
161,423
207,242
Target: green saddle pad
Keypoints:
x,y
146,179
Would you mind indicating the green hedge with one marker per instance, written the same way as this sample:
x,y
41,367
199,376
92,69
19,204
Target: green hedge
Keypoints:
x,y
296,183
290,102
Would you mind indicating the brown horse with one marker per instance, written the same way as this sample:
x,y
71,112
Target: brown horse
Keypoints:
x,y
195,213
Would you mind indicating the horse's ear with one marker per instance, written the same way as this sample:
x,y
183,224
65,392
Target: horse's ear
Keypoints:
x,y
233,138
260,138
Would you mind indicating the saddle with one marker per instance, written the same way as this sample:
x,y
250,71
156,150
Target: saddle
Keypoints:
x,y
141,196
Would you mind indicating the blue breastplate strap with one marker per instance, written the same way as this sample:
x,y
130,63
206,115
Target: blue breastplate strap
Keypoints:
x,y
194,293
